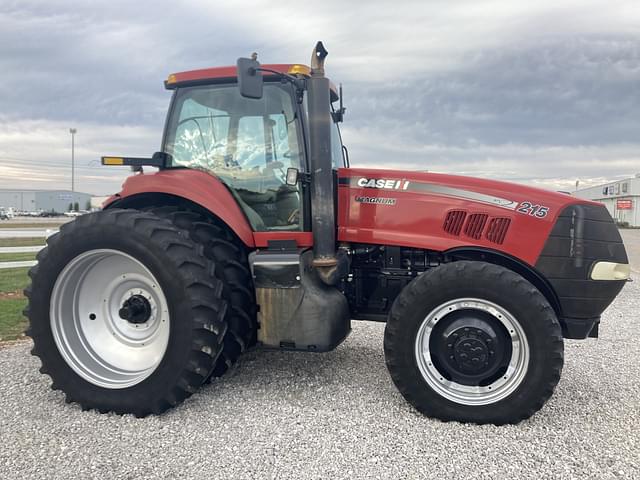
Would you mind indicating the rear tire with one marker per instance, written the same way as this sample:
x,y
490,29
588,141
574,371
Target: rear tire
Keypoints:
x,y
232,269
126,253
473,342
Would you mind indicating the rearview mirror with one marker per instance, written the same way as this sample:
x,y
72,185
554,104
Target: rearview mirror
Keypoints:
x,y
249,78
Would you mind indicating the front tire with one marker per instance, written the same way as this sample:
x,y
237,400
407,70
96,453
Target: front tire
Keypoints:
x,y
473,342
125,312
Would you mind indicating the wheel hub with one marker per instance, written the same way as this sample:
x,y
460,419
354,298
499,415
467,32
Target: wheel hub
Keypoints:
x,y
136,309
470,351
109,318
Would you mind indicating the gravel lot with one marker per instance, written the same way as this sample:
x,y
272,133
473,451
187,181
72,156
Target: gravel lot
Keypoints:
x,y
335,415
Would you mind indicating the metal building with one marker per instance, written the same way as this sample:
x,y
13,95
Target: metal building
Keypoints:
x,y
42,200
622,199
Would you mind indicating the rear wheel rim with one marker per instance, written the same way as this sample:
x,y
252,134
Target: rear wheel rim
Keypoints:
x,y
488,325
87,322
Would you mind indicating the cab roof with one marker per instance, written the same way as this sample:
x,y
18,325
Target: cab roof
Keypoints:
x,y
205,75
229,74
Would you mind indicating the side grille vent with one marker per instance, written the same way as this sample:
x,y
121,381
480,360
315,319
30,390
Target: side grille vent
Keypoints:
x,y
475,225
454,221
498,229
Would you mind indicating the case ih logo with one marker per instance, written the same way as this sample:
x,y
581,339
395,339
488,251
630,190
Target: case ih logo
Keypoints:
x,y
382,183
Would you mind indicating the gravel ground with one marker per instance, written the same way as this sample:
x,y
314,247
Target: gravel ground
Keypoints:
x,y
334,415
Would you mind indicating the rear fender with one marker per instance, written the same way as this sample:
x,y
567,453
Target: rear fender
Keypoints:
x,y
196,187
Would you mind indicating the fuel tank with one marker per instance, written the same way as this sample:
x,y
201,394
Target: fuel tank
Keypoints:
x,y
440,212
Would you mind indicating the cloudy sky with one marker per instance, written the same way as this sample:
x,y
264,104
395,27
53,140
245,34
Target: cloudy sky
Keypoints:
x,y
542,92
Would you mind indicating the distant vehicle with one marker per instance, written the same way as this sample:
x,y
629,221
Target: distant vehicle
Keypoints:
x,y
49,214
75,214
3,215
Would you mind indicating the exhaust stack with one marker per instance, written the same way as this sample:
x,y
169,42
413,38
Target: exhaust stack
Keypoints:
x,y
322,185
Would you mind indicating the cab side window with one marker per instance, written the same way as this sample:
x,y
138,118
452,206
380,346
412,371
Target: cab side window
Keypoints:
x,y
337,154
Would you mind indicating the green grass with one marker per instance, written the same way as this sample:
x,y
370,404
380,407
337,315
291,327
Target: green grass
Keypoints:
x,y
22,242
12,322
13,279
17,257
43,225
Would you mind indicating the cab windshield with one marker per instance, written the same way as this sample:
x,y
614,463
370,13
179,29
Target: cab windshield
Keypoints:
x,y
247,143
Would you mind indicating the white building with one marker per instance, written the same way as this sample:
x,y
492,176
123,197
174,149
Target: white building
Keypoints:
x,y
43,200
622,199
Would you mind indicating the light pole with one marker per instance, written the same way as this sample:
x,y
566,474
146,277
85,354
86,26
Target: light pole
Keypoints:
x,y
73,131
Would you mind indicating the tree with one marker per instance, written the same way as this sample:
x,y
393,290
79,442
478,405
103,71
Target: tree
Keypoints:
x,y
88,205
76,207
70,207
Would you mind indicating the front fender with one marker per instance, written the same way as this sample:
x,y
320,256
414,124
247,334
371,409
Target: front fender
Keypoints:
x,y
195,186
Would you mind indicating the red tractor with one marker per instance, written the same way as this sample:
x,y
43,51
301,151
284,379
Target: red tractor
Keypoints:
x,y
255,230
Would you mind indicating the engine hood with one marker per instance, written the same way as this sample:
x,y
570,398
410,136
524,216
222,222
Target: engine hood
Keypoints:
x,y
442,212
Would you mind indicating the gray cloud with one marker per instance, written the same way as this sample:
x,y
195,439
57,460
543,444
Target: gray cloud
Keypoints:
x,y
581,91
538,92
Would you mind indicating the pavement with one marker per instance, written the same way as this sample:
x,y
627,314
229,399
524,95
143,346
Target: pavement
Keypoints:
x,y
631,239
20,264
334,415
26,232
21,249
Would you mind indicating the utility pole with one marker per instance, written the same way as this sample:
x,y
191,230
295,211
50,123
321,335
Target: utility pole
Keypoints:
x,y
73,131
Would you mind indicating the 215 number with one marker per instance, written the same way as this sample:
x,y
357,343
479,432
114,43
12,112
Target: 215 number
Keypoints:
x,y
529,208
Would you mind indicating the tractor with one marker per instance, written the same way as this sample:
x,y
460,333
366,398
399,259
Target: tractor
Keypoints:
x,y
255,231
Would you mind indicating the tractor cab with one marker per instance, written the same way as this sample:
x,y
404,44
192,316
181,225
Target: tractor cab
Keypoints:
x,y
248,143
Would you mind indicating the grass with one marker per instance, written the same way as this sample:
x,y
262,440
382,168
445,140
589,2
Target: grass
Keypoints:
x,y
17,257
13,279
12,302
43,225
22,242
12,322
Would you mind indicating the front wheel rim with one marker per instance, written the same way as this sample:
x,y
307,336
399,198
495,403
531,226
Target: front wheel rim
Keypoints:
x,y
516,347
90,329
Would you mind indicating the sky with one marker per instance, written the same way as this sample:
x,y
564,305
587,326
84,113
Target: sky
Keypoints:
x,y
543,93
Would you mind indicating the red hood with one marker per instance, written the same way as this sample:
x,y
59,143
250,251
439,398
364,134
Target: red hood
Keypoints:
x,y
510,190
440,212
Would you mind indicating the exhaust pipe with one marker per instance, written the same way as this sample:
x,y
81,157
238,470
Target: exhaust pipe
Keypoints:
x,y
322,185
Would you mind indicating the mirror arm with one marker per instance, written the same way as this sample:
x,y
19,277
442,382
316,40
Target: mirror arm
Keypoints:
x,y
299,83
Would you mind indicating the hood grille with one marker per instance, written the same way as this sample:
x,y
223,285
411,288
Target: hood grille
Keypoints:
x,y
453,221
498,230
475,225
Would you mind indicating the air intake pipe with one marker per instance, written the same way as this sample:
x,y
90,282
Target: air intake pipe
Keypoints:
x,y
323,219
